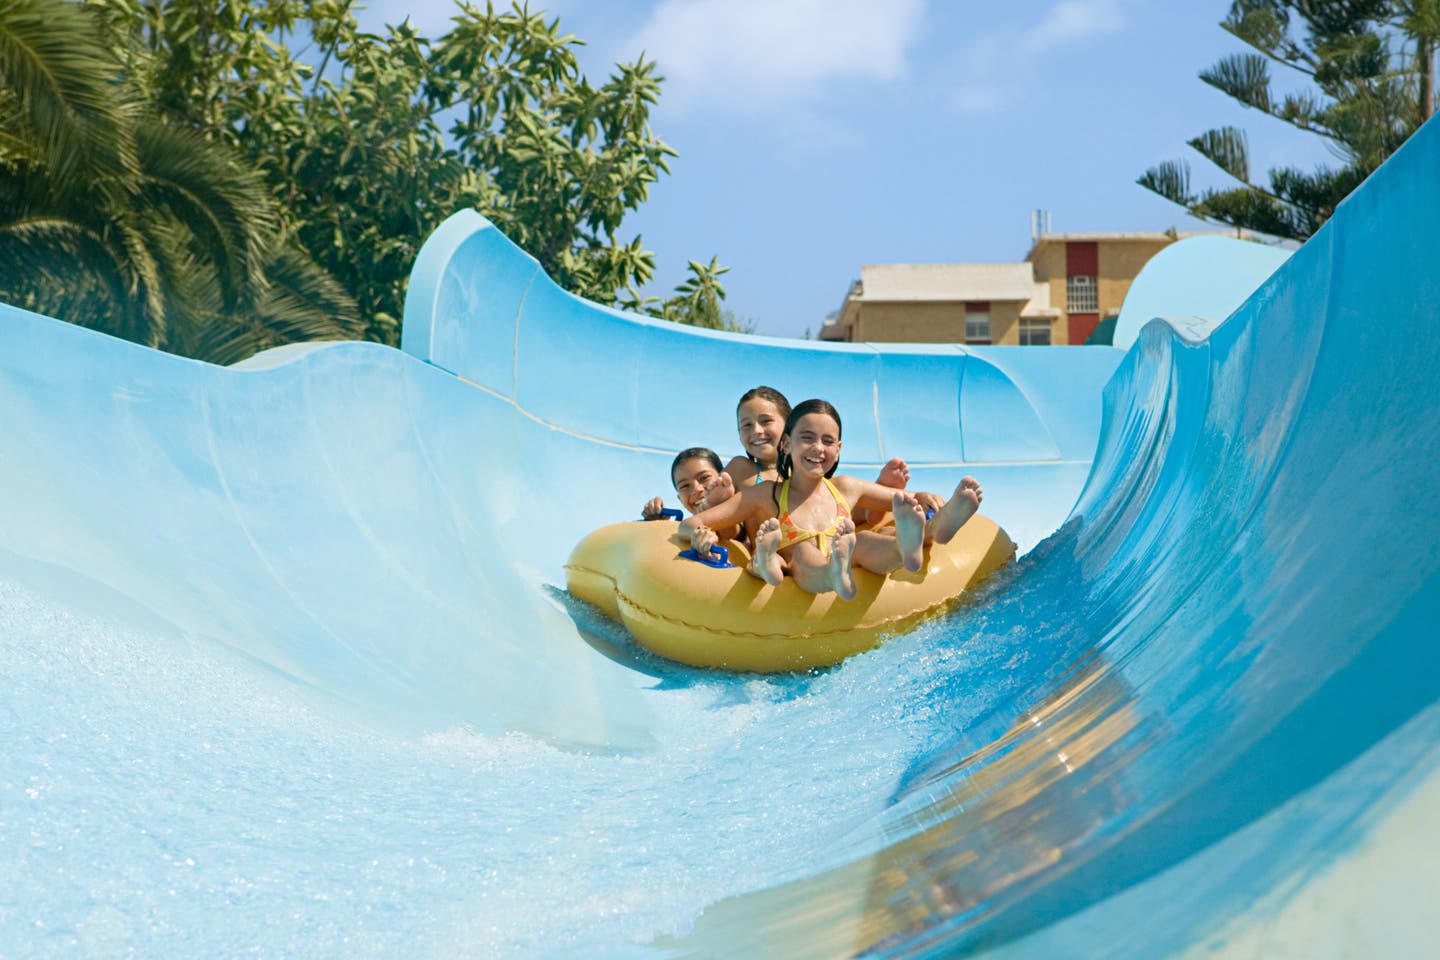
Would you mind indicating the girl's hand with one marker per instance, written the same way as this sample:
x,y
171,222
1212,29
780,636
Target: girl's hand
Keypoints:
x,y
719,490
929,501
651,510
702,539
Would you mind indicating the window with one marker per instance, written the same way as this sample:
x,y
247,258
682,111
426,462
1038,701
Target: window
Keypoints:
x,y
1034,332
977,322
1081,295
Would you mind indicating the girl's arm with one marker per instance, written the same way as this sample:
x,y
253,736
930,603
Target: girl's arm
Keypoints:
x,y
702,527
872,496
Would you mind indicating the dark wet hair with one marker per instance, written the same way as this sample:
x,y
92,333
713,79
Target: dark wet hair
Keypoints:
x,y
782,465
695,453
769,394
765,393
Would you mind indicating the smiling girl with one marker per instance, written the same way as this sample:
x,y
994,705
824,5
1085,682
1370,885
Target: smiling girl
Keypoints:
x,y
759,419
804,523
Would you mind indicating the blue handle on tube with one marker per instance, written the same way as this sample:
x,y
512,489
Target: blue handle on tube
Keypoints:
x,y
719,557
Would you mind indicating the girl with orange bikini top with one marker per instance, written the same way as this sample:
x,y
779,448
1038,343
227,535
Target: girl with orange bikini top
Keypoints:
x,y
809,456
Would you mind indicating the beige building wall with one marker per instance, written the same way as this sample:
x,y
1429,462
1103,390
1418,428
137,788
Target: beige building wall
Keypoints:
x,y
1049,261
911,322
932,322
1119,262
913,301
1005,322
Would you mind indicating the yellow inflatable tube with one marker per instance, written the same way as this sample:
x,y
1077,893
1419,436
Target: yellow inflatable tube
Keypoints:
x,y
726,618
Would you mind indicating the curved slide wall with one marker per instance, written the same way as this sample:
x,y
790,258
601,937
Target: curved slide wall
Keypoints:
x,y
1196,694
1206,277
348,514
481,309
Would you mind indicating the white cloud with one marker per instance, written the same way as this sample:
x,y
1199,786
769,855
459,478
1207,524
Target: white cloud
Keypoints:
x,y
1002,54
752,55
1070,22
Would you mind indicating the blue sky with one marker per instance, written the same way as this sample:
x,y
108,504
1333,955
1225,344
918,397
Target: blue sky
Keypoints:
x,y
819,135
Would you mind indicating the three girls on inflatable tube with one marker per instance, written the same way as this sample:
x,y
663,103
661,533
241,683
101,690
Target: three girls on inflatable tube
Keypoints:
x,y
800,516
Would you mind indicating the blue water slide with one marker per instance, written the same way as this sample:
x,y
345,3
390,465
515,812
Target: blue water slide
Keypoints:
x,y
286,669
1195,284
482,310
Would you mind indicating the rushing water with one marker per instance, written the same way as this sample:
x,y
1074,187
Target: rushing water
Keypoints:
x,y
167,797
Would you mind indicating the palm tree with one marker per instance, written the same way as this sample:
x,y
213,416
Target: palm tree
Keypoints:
x,y
115,219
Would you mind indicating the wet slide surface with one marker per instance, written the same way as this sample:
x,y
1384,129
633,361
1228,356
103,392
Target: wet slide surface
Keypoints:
x,y
285,669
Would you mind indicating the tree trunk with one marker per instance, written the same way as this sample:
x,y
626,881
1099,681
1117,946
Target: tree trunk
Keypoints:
x,y
1425,51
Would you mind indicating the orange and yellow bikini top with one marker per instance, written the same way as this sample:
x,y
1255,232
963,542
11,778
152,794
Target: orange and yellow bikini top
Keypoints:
x,y
790,534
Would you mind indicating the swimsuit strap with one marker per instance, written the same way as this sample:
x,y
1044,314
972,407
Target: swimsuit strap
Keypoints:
x,y
790,534
842,508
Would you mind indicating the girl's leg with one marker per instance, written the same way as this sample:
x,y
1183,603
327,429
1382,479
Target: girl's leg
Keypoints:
x,y
882,552
876,552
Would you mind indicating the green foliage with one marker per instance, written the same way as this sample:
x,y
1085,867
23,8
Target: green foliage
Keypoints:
x,y
114,218
1370,63
179,174
697,301
698,297
1227,148
58,106
394,132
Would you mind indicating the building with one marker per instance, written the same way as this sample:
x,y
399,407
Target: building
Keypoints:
x,y
1066,285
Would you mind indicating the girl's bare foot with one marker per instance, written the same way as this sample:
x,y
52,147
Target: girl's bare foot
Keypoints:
x,y
717,491
838,571
909,529
895,473
767,564
961,506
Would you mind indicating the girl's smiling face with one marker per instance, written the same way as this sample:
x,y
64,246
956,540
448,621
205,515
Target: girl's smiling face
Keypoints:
x,y
691,477
814,445
759,422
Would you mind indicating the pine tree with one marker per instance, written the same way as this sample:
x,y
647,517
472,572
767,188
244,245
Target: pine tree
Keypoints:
x,y
1370,66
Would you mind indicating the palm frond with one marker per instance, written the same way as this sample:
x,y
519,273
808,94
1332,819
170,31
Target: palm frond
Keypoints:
x,y
223,206
71,271
63,85
142,314
302,303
